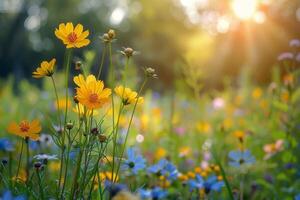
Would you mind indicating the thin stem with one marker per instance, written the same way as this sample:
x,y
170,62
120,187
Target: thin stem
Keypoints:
x,y
67,71
129,125
66,167
112,96
115,139
40,184
102,61
20,158
27,159
57,102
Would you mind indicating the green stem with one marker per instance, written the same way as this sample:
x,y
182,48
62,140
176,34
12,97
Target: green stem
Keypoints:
x,y
40,184
102,61
224,176
66,167
67,71
20,158
129,125
57,102
27,159
115,139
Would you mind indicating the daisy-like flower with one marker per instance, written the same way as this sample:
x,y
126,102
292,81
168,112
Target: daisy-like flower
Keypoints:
x,y
210,184
25,129
239,158
45,157
127,95
72,37
134,162
165,168
46,69
91,92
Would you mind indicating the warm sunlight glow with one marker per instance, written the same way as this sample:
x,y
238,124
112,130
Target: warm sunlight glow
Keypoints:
x,y
244,9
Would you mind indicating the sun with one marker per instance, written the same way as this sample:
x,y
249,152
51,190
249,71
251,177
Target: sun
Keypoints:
x,y
244,9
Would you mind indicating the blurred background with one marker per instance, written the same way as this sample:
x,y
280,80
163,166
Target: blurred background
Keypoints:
x,y
208,40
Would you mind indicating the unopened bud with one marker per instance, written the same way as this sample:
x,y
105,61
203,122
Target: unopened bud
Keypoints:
x,y
150,72
102,138
94,131
111,33
78,65
69,125
37,165
128,52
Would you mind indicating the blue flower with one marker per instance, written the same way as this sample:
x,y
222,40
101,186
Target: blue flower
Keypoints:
x,y
155,193
297,197
165,168
158,193
6,145
33,145
7,195
114,188
210,184
239,158
134,162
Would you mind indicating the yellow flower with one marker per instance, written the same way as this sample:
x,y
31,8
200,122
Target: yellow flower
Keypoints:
x,y
203,127
22,177
91,92
80,80
62,104
54,166
256,93
160,153
239,134
25,129
72,37
184,151
79,108
45,69
128,96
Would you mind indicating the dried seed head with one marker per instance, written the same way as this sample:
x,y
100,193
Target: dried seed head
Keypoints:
x,y
128,52
37,165
111,33
94,131
102,138
69,125
150,72
78,65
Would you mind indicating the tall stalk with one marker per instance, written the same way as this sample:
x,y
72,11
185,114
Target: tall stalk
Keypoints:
x,y
20,159
115,134
129,125
67,71
102,61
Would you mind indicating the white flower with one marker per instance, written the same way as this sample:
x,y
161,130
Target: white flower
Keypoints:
x,y
45,157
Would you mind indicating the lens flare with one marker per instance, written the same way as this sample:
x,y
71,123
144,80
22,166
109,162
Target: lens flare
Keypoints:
x,y
244,9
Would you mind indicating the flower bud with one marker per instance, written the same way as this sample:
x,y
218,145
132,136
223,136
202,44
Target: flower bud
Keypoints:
x,y
94,131
102,138
78,65
69,125
150,72
128,52
37,165
111,34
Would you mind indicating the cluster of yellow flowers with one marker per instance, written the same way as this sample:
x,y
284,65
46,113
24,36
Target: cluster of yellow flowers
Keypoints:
x,y
90,92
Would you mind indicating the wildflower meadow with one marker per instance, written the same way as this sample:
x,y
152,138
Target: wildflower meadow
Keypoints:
x,y
99,118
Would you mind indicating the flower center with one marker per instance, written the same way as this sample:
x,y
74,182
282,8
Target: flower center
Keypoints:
x,y
93,98
72,37
131,164
24,126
